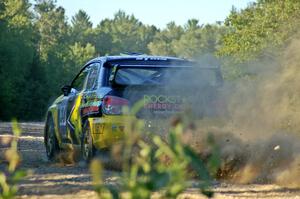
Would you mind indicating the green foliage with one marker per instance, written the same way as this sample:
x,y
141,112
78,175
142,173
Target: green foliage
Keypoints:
x,y
162,43
16,54
123,33
9,180
52,28
82,27
80,54
192,41
256,30
198,40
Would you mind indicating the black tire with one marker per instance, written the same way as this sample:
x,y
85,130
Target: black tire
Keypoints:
x,y
88,150
51,143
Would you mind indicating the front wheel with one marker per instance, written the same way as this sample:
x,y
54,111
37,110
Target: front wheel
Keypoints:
x,y
87,147
51,143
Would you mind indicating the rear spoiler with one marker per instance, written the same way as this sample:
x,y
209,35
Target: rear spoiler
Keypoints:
x,y
174,65
152,66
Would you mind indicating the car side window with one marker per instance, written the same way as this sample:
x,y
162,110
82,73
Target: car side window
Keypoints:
x,y
80,80
93,77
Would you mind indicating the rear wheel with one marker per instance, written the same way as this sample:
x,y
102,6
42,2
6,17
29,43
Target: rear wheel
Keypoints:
x,y
88,150
51,143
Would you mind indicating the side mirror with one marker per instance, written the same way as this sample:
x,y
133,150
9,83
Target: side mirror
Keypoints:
x,y
66,89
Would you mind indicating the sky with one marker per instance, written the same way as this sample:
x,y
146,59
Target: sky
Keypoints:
x,y
155,12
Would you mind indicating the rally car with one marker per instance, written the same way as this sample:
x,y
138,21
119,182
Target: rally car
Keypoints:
x,y
90,114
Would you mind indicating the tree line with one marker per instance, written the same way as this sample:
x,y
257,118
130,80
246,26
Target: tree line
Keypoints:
x,y
41,51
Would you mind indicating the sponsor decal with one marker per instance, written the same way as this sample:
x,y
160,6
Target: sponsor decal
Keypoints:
x,y
162,99
163,102
90,109
62,113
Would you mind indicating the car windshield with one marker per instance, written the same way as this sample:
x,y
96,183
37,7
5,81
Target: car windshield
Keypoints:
x,y
165,75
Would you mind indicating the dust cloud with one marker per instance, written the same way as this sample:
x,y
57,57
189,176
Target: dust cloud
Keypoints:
x,y
254,120
259,135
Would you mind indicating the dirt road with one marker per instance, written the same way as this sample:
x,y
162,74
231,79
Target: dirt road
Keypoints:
x,y
58,180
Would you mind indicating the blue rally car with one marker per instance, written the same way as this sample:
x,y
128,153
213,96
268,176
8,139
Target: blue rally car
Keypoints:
x,y
89,113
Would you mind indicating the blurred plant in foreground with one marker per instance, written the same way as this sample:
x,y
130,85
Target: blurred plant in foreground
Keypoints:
x,y
154,167
10,177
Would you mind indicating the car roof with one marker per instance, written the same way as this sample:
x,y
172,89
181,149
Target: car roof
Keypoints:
x,y
135,57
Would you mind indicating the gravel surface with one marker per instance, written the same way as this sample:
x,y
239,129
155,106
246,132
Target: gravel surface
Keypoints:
x,y
72,180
